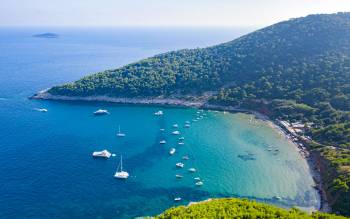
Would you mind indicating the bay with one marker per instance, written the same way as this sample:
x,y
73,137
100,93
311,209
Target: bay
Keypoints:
x,y
47,170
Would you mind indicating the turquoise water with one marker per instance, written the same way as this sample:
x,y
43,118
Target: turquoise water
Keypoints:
x,y
47,169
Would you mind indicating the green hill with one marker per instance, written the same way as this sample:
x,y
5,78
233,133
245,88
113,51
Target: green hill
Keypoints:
x,y
236,208
297,70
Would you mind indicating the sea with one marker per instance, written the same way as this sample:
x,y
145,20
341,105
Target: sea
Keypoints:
x,y
46,166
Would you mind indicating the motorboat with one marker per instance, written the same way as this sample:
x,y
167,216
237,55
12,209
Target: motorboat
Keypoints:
x,y
43,110
177,199
192,170
162,142
185,157
172,151
175,132
179,176
180,165
199,183
103,154
159,113
176,126
101,112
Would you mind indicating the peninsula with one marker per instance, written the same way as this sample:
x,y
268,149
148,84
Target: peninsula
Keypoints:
x,y
296,71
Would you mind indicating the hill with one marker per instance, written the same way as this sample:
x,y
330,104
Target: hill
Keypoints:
x,y
236,208
296,70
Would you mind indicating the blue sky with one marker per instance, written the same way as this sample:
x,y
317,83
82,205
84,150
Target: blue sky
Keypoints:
x,y
160,12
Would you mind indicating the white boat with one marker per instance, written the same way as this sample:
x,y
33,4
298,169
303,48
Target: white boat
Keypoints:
x,y
120,174
162,142
194,120
159,113
175,125
192,170
182,138
187,125
104,154
180,165
185,157
120,134
179,176
187,122
200,183
197,179
172,151
181,143
177,199
162,130
175,132
41,110
101,112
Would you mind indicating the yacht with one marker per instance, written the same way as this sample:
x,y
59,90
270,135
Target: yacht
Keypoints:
x,y
159,113
187,122
179,176
192,170
176,132
181,143
187,125
172,151
175,125
185,157
120,134
182,138
120,174
104,154
101,112
41,110
162,130
177,199
162,142
199,183
180,165
197,179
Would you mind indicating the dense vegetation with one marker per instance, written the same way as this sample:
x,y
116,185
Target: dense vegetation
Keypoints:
x,y
297,70
236,208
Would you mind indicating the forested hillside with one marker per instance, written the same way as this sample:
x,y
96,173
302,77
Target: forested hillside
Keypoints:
x,y
297,70
236,208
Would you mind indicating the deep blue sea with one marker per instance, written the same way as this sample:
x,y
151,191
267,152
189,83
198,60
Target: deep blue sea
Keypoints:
x,y
46,167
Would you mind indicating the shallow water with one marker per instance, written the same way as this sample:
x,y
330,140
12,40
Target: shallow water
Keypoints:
x,y
47,169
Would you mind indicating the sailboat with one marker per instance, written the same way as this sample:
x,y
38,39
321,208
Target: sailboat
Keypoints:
x,y
119,134
120,174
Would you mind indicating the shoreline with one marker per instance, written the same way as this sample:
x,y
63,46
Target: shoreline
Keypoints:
x,y
202,103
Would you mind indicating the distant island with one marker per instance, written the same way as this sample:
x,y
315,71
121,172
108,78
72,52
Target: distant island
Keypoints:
x,y
296,72
46,35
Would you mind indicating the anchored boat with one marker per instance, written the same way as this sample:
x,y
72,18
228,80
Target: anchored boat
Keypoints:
x,y
120,174
103,154
101,112
120,134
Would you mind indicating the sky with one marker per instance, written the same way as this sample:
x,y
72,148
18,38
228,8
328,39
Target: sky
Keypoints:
x,y
235,13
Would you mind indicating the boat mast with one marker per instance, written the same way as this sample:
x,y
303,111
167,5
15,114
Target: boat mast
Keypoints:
x,y
121,163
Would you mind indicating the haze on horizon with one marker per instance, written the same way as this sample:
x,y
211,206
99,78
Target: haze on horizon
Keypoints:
x,y
161,12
